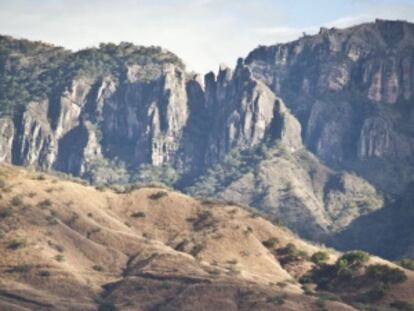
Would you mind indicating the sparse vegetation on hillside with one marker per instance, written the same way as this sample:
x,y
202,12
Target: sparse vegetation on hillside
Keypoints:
x,y
352,276
271,242
235,164
88,238
34,70
319,258
290,253
406,263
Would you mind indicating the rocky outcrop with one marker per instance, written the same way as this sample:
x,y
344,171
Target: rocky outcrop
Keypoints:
x,y
36,144
353,99
147,117
246,112
147,113
6,139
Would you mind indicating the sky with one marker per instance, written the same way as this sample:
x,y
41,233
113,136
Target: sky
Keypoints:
x,y
204,33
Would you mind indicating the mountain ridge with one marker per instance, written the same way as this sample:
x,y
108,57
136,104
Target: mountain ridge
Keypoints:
x,y
323,115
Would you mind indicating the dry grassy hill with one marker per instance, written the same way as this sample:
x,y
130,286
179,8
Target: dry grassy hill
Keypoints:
x,y
67,246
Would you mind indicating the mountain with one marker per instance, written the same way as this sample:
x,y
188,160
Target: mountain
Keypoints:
x,y
68,246
352,90
316,132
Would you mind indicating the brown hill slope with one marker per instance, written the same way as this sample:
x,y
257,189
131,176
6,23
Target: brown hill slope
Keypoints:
x,y
67,246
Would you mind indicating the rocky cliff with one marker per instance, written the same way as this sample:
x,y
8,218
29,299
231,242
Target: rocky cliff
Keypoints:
x,y
352,90
144,113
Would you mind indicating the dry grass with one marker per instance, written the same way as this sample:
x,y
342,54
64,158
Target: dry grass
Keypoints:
x,y
81,238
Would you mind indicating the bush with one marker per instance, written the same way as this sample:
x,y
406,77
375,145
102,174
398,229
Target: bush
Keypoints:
x,y
374,294
20,269
40,177
406,263
17,200
323,276
44,273
270,243
98,268
402,305
157,195
181,246
291,254
45,204
107,306
6,212
149,174
60,258
204,220
386,274
353,259
196,249
319,258
138,215
16,244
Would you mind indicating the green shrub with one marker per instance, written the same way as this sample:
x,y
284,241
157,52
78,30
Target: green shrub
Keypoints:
x,y
402,305
291,254
406,263
40,177
204,220
374,294
196,249
157,195
107,306
17,244
138,215
2,183
181,246
31,194
45,204
60,258
20,269
319,258
6,212
150,174
386,274
271,242
352,259
17,200
51,220
98,268
44,273
323,276
279,299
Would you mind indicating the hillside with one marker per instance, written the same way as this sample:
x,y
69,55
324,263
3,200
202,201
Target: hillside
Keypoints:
x,y
67,246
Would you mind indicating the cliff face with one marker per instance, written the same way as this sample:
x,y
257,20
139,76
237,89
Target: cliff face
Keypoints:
x,y
156,114
352,89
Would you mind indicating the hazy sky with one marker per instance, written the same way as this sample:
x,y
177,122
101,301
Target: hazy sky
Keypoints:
x,y
204,33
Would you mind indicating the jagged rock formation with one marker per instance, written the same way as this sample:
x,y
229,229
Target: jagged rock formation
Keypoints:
x,y
148,116
354,100
106,114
